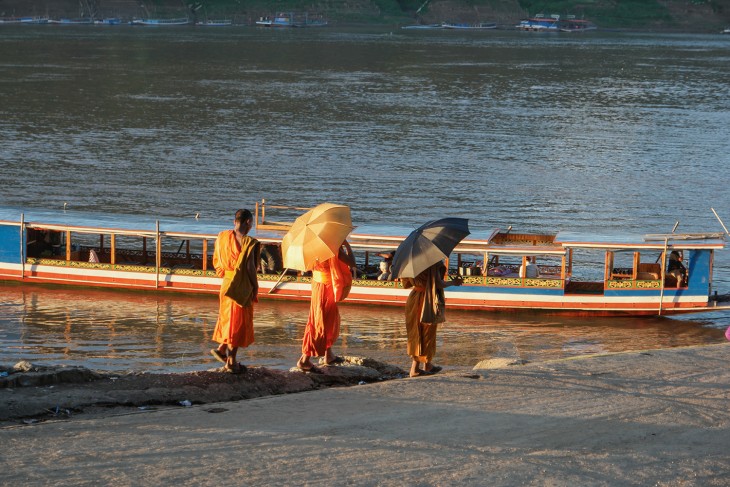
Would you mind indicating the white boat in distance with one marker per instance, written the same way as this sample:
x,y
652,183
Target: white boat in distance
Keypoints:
x,y
289,19
479,26
423,26
214,23
164,22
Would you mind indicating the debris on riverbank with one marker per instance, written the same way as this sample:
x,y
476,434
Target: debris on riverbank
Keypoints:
x,y
32,393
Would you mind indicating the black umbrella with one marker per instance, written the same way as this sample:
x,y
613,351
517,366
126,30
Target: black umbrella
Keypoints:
x,y
427,245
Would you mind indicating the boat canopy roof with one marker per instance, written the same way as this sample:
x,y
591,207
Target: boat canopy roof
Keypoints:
x,y
642,241
121,224
372,237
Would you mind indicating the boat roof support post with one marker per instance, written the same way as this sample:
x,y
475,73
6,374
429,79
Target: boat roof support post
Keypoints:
x,y
637,261
570,262
22,246
113,249
68,245
709,274
205,252
158,248
663,275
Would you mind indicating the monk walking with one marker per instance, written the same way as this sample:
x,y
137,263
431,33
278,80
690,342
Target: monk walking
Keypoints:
x,y
425,309
235,259
331,281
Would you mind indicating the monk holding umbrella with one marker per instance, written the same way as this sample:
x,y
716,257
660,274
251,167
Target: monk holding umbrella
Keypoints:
x,y
419,262
316,242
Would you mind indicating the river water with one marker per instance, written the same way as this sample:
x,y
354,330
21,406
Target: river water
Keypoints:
x,y
599,132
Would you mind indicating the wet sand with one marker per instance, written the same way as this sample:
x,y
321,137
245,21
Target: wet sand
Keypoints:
x,y
642,418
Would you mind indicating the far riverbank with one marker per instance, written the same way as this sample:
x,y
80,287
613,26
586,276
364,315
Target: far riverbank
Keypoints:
x,y
659,16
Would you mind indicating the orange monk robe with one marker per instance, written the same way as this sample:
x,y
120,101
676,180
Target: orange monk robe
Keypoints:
x,y
331,282
235,322
424,311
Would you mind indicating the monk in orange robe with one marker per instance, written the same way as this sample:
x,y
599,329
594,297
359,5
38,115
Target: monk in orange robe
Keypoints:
x,y
235,259
331,281
425,309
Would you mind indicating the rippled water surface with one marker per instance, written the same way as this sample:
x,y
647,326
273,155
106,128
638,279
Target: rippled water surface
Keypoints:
x,y
605,132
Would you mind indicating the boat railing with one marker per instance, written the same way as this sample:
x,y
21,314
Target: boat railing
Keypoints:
x,y
288,212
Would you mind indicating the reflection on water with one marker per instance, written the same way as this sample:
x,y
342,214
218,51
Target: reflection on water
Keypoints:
x,y
118,331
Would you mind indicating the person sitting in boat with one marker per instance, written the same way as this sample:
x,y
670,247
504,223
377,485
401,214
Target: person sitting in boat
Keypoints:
x,y
529,268
385,266
676,268
497,270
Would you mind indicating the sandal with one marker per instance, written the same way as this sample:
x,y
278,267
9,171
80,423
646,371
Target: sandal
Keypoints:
x,y
335,361
313,369
219,356
435,369
238,368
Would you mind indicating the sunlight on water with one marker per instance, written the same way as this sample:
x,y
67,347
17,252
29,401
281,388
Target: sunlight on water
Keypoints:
x,y
118,331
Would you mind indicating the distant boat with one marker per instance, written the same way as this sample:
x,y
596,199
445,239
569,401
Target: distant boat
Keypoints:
x,y
109,21
288,20
72,21
571,24
161,22
214,23
10,20
423,26
540,23
479,26
726,31
34,20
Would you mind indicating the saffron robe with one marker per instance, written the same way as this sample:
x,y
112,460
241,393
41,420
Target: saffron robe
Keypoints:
x,y
331,282
425,309
231,261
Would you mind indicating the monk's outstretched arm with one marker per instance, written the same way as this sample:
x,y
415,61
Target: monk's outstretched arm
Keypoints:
x,y
346,255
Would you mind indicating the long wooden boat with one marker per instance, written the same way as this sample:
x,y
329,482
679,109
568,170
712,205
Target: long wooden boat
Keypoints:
x,y
578,274
84,21
289,19
540,23
160,22
214,23
479,26
572,24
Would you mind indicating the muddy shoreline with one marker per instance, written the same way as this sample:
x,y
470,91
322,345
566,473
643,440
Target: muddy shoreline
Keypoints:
x,y
32,393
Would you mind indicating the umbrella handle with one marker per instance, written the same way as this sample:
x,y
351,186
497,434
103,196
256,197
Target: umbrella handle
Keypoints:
x,y
273,288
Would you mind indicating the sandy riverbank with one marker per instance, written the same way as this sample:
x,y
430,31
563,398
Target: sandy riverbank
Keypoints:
x,y
643,418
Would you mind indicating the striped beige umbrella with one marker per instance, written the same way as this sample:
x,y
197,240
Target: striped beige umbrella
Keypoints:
x,y
316,236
